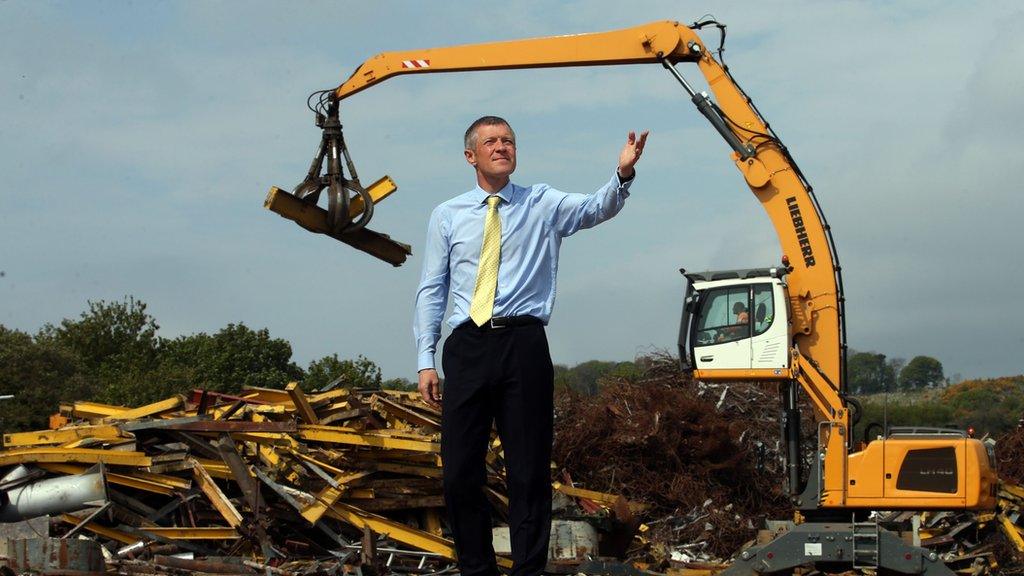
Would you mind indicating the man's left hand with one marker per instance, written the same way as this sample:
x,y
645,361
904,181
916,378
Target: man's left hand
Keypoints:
x,y
630,154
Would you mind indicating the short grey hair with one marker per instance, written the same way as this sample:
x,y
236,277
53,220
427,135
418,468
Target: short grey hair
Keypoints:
x,y
470,138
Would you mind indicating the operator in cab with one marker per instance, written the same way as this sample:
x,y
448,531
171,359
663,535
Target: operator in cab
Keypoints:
x,y
494,251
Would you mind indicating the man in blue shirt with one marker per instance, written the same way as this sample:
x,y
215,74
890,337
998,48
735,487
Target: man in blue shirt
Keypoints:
x,y
495,250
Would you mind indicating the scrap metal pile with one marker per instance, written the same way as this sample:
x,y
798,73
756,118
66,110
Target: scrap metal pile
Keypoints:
x,y
279,480
264,477
671,474
707,460
705,457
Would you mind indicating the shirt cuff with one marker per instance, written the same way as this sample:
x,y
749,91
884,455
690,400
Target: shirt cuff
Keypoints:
x,y
426,361
624,183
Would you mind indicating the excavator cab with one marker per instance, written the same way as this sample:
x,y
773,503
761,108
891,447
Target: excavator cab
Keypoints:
x,y
735,325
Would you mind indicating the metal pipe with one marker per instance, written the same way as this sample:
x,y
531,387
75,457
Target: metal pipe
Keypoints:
x,y
17,473
54,496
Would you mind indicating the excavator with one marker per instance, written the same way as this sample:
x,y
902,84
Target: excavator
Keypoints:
x,y
781,324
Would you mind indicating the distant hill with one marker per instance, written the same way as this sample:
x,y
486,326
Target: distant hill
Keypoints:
x,y
991,406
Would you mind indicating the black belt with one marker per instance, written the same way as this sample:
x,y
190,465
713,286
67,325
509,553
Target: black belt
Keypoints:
x,y
501,322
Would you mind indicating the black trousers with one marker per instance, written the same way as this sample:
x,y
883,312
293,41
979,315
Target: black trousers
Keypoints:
x,y
505,376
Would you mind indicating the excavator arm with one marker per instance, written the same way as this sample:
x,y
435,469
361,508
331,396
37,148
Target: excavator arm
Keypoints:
x,y
646,44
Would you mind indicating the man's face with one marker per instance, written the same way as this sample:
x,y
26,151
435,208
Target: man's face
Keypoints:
x,y
495,151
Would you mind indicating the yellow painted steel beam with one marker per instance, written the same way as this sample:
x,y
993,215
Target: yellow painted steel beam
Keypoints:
x,y
64,435
268,395
214,494
153,409
331,417
1013,490
334,407
403,413
83,443
205,533
166,479
395,530
328,467
125,444
265,409
1012,533
269,456
150,477
274,438
403,456
378,191
390,440
601,498
413,397
268,453
314,218
425,471
329,495
83,455
330,397
84,409
301,403
216,468
113,478
95,528
268,438
152,483
381,504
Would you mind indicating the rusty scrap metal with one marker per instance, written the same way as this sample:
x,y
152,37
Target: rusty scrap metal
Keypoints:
x,y
255,475
674,474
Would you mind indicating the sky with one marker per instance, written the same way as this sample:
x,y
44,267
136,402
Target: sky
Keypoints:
x,y
139,139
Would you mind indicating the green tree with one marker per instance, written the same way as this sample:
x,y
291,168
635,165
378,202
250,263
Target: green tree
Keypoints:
x,y
116,344
921,372
896,365
39,375
868,373
992,405
585,377
359,373
108,335
400,384
235,357
919,411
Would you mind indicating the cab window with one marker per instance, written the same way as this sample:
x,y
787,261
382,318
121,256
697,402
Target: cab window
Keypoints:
x,y
724,317
764,308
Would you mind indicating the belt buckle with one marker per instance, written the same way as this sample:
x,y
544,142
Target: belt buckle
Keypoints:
x,y
493,325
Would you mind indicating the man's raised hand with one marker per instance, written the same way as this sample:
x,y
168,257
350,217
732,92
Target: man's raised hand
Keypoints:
x,y
631,153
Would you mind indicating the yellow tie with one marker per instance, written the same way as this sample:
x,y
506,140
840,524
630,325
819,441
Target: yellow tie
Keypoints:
x,y
482,307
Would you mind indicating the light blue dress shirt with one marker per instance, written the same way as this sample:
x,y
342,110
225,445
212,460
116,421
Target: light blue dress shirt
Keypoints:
x,y
533,222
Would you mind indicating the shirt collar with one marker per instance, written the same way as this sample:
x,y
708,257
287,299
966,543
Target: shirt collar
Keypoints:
x,y
507,194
